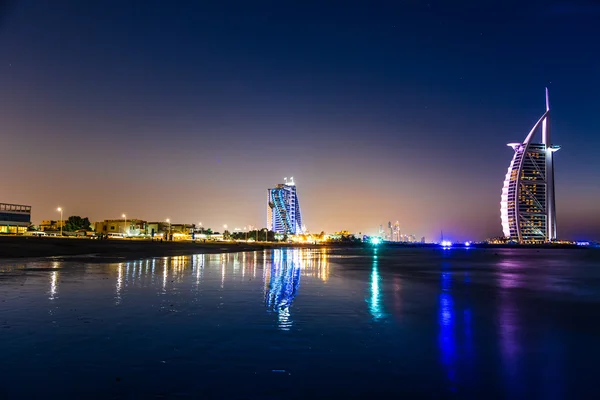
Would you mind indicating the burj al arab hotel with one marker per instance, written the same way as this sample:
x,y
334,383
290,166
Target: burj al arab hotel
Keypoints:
x,y
528,209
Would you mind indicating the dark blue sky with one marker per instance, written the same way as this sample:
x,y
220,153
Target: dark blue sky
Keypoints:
x,y
381,111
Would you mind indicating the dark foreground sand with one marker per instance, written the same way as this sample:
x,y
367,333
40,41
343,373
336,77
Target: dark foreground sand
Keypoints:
x,y
113,250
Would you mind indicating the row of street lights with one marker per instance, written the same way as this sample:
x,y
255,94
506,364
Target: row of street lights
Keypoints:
x,y
168,220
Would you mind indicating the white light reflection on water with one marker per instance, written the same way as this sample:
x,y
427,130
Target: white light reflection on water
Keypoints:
x,y
243,265
285,322
199,266
165,274
54,281
119,284
133,271
222,272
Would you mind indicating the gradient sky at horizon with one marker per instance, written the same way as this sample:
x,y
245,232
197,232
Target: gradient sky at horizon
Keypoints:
x,y
381,111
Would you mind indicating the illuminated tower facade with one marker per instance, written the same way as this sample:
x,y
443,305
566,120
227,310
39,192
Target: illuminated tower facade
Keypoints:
x,y
527,208
283,209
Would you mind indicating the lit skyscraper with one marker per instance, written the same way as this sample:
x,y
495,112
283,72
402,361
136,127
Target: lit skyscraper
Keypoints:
x,y
528,208
283,210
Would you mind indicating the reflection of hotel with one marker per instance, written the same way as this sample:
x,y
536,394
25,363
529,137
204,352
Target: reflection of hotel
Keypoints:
x,y
283,282
282,279
528,208
14,218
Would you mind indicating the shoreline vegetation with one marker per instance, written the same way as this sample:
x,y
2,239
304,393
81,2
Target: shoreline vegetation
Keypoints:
x,y
115,250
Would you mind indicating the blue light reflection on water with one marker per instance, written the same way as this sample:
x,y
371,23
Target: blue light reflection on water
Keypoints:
x,y
455,339
447,339
282,285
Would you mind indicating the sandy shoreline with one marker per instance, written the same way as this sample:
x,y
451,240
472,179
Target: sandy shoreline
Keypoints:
x,y
19,247
88,250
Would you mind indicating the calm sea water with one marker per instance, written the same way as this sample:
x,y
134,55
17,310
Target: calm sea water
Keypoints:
x,y
302,324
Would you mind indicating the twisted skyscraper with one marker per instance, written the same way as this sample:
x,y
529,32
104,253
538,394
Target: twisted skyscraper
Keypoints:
x,y
283,211
528,209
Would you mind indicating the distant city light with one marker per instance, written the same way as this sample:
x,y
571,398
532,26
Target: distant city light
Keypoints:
x,y
446,243
467,244
375,240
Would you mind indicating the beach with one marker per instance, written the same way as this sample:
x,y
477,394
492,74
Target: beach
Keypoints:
x,y
117,249
415,322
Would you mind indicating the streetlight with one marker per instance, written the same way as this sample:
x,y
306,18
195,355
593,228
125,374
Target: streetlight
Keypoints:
x,y
59,209
125,224
246,232
200,225
169,222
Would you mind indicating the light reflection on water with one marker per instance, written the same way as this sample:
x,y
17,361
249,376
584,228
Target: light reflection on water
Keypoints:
x,y
447,339
463,324
375,300
282,280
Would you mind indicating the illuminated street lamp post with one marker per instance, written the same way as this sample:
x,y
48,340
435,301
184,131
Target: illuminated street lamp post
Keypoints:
x,y
224,230
246,232
60,210
169,234
125,225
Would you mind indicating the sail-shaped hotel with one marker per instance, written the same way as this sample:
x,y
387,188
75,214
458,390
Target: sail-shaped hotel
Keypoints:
x,y
528,209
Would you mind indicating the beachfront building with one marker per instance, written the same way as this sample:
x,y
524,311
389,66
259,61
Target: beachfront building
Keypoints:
x,y
168,230
527,207
283,209
125,227
52,225
14,218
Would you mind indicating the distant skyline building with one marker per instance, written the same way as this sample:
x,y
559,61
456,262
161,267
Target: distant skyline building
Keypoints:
x,y
394,234
283,209
527,207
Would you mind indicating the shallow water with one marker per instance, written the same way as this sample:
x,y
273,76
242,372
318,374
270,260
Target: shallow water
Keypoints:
x,y
305,323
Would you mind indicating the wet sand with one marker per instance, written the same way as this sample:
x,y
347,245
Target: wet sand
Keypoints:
x,y
426,323
85,249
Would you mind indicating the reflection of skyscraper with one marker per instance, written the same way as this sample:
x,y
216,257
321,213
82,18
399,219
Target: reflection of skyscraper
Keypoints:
x,y
528,207
283,211
282,285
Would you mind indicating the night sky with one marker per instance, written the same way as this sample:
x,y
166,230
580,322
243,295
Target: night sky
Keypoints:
x,y
381,111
